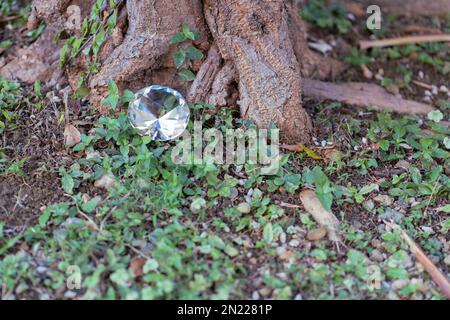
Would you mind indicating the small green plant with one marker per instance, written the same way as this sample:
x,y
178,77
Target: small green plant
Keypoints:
x,y
9,93
357,58
114,98
328,16
185,56
94,30
323,185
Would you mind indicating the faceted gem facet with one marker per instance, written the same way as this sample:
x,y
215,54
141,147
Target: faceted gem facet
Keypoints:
x,y
160,112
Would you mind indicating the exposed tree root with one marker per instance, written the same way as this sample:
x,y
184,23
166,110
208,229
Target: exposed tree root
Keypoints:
x,y
363,95
205,76
254,35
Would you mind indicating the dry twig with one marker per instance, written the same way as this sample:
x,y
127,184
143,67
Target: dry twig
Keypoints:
x,y
404,40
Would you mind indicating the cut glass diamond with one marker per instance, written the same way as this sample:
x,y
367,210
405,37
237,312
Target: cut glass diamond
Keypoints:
x,y
160,112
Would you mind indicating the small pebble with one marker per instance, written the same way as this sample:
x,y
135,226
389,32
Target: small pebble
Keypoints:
x,y
244,207
280,250
70,294
264,291
434,90
283,237
428,93
447,260
443,89
427,99
421,75
41,269
294,243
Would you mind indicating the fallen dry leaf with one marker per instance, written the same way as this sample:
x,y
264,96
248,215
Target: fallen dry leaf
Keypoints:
x,y
301,148
106,181
287,255
71,136
316,234
137,266
366,72
356,9
323,217
331,154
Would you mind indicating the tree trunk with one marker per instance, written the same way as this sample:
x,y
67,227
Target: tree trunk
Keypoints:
x,y
256,53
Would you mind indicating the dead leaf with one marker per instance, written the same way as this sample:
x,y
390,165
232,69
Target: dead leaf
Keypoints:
x,y
71,136
366,72
287,255
323,217
137,266
356,9
392,88
106,181
301,148
316,234
331,154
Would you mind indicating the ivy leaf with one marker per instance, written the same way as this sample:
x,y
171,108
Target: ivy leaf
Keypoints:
x,y
90,205
179,58
323,188
113,97
63,55
435,116
186,75
112,20
67,183
128,96
194,54
268,233
178,38
187,32
384,145
44,217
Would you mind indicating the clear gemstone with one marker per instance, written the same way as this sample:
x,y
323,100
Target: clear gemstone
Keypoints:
x,y
160,112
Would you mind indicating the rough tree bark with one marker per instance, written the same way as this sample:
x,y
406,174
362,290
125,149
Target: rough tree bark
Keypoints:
x,y
256,53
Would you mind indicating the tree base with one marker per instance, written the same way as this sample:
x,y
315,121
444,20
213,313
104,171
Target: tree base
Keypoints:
x,y
257,52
